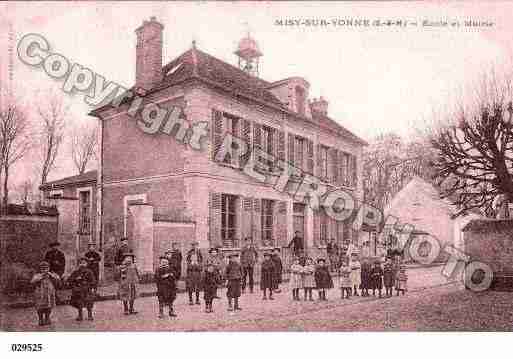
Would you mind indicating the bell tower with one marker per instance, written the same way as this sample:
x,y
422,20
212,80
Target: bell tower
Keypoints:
x,y
249,55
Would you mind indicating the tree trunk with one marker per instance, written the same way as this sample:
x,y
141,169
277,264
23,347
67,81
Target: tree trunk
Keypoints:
x,y
6,189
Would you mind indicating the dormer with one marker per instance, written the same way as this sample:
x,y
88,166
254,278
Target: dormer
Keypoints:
x,y
293,92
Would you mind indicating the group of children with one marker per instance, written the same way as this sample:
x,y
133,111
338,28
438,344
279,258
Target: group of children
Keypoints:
x,y
352,276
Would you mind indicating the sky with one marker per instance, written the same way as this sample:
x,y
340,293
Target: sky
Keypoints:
x,y
376,79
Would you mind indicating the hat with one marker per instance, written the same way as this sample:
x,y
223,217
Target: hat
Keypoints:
x,y
163,257
277,249
82,259
54,244
267,254
213,249
194,243
168,251
233,255
129,255
44,265
321,260
123,239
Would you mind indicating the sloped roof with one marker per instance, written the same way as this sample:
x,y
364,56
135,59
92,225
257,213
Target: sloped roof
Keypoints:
x,y
86,177
495,225
196,64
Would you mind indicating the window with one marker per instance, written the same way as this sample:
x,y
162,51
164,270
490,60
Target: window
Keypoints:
x,y
299,150
324,228
267,146
229,220
324,162
267,222
300,100
84,212
232,127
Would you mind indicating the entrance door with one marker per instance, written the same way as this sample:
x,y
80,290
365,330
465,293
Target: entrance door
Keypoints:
x,y
299,220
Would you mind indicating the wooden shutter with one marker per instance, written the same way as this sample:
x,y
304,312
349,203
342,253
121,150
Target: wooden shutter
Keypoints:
x,y
257,221
320,163
309,157
291,139
215,219
354,175
333,165
217,132
257,140
317,227
344,169
280,225
245,217
246,137
280,146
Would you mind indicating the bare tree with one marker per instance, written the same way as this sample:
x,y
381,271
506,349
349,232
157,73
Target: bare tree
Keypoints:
x,y
14,142
84,142
52,113
475,159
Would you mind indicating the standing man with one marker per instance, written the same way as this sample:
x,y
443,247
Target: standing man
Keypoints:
x,y
57,261
93,262
297,244
194,251
332,251
248,259
174,257
122,251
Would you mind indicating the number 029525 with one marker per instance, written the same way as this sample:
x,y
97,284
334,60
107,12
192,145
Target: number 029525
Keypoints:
x,y
26,347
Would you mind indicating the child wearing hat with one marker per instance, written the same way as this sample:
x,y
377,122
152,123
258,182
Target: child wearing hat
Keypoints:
x,y
376,275
365,278
401,280
345,279
233,276
356,273
388,277
211,279
193,280
278,270
128,277
45,283
165,279
83,284
323,278
308,278
267,276
296,282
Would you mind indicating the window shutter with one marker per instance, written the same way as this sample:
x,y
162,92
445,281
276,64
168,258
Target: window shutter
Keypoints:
x,y
354,175
215,219
280,229
257,139
291,139
217,132
317,228
310,157
280,147
246,137
320,164
245,217
333,164
345,169
340,231
257,221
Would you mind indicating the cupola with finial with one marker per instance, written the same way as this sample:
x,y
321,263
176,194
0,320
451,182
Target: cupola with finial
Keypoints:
x,y
249,55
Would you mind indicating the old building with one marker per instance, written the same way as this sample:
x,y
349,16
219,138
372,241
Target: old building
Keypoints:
x,y
155,189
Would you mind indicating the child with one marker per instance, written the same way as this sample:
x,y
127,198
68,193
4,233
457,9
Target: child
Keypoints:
x,y
193,279
45,283
128,279
267,276
308,278
356,273
401,280
296,282
83,284
388,277
365,278
165,279
210,281
233,276
376,276
278,270
323,278
345,280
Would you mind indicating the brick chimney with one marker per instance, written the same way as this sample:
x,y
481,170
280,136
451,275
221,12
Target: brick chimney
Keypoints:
x,y
319,105
148,54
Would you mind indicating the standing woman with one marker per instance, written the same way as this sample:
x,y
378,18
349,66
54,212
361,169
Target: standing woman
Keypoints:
x,y
128,277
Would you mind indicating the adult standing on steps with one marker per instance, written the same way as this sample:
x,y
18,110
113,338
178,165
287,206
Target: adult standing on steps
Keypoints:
x,y
122,251
248,259
174,257
297,244
57,262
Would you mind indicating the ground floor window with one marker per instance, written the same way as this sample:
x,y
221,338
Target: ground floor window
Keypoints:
x,y
267,222
229,220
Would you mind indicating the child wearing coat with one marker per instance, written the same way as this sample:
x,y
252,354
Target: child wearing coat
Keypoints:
x,y
45,283
401,280
308,278
165,279
345,280
365,278
233,277
296,282
211,279
376,275
83,285
356,273
278,270
128,277
388,277
267,276
193,280
323,278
